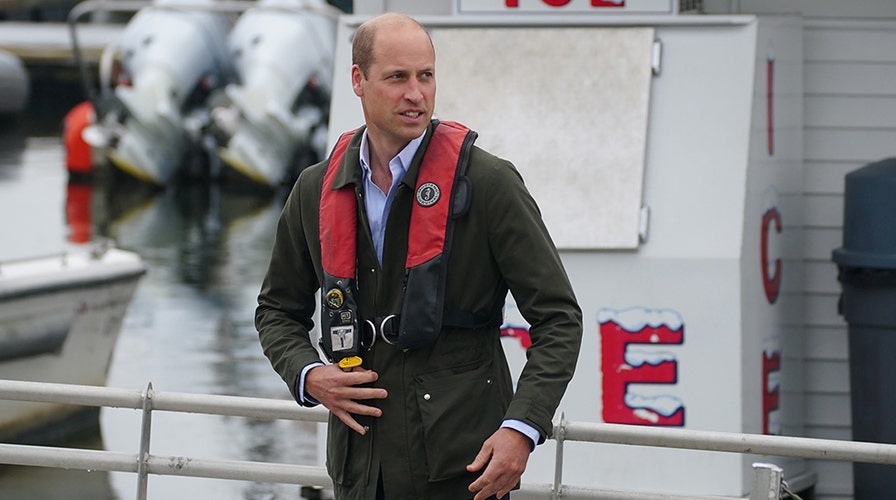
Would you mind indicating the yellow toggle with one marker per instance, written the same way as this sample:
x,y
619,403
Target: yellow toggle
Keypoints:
x,y
350,362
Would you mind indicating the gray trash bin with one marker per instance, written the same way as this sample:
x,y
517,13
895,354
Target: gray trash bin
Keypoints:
x,y
867,274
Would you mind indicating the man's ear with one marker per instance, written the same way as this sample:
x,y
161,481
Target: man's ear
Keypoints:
x,y
357,76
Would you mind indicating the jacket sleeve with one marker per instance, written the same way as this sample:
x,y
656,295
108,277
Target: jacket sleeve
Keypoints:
x,y
531,266
286,302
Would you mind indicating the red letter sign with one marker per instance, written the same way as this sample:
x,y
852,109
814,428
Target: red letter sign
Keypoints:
x,y
771,366
770,282
625,362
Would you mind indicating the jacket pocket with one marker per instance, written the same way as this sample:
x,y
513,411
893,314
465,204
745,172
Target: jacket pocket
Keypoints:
x,y
460,408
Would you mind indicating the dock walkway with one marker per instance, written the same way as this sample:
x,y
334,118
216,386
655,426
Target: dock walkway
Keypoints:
x,y
48,43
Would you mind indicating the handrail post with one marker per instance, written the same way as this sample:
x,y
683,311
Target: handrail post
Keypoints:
x,y
143,456
767,480
560,437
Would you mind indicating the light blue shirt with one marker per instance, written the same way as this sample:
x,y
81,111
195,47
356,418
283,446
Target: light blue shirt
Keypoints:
x,y
377,204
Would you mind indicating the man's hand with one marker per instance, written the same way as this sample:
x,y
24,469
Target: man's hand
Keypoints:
x,y
337,391
506,452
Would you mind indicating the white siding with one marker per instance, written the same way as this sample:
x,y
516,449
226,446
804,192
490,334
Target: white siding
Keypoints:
x,y
849,120
849,116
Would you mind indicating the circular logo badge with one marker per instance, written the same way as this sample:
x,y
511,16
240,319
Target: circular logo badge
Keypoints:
x,y
428,194
334,298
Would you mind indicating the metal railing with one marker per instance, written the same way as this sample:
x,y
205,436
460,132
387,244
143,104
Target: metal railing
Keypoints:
x,y
767,481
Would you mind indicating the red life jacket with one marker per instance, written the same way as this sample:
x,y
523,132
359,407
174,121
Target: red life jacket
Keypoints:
x,y
442,193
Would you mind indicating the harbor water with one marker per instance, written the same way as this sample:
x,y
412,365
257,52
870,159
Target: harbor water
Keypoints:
x,y
189,328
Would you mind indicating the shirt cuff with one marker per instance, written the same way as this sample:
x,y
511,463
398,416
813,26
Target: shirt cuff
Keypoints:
x,y
526,429
304,399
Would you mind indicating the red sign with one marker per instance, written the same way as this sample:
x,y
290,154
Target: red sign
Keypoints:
x,y
629,357
771,364
771,282
564,6
564,3
769,104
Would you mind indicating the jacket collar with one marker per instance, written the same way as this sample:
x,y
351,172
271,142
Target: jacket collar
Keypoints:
x,y
350,169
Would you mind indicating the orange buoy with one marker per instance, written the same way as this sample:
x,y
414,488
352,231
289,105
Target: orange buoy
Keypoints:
x,y
78,155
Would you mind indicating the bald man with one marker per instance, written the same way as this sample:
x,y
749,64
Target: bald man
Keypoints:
x,y
414,236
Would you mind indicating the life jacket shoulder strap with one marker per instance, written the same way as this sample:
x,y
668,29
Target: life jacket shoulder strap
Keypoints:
x,y
440,179
338,218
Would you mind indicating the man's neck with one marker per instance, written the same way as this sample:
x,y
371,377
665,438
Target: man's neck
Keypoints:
x,y
380,173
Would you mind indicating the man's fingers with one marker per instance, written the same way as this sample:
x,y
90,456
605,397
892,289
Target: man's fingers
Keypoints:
x,y
480,485
356,376
362,393
337,390
357,408
503,456
343,393
480,460
353,424
349,385
488,485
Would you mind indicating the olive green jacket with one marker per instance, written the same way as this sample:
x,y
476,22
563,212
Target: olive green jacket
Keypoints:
x,y
444,400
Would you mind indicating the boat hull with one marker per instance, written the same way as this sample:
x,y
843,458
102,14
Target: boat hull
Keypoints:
x,y
60,323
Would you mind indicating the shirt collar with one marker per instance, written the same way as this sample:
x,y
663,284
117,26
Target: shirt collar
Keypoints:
x,y
404,157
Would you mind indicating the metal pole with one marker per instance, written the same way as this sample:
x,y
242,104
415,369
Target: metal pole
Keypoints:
x,y
143,456
756,444
67,458
767,480
85,8
88,395
560,437
143,463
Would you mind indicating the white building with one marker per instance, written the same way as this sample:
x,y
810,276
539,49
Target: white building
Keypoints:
x,y
835,112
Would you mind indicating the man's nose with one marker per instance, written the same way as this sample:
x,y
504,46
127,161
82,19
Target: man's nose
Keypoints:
x,y
413,92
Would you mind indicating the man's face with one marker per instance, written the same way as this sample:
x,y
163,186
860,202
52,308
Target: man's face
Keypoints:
x,y
398,95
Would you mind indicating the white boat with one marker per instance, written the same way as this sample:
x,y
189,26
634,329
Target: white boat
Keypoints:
x,y
190,80
60,318
171,56
283,52
14,82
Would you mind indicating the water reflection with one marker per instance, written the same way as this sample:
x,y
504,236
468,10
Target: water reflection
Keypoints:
x,y
198,222
189,328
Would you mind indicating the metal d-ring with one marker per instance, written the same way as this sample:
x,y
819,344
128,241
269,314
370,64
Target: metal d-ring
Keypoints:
x,y
383,329
372,329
